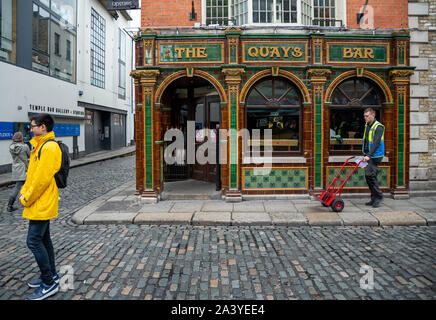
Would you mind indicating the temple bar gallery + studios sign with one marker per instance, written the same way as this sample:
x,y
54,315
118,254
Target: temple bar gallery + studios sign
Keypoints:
x,y
123,4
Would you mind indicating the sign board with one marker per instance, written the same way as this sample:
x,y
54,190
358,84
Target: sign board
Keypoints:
x,y
274,51
207,52
6,130
358,52
123,4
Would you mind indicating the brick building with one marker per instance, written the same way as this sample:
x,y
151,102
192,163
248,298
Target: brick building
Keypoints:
x,y
306,69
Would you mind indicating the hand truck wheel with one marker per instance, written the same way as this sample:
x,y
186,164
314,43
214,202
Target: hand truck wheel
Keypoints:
x,y
337,205
324,199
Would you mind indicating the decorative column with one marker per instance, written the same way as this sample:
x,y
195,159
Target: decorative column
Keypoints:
x,y
146,128
233,79
139,132
233,35
401,81
318,79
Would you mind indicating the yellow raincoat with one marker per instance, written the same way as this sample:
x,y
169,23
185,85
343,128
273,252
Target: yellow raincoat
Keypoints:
x,y
41,194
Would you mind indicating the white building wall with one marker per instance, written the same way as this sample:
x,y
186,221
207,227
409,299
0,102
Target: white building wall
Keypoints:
x,y
108,96
22,88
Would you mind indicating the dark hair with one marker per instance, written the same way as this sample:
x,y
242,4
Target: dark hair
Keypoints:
x,y
370,110
44,118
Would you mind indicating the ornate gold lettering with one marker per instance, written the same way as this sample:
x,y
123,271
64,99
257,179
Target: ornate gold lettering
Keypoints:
x,y
179,52
275,52
358,53
286,50
253,52
296,53
369,53
348,53
201,53
189,52
264,51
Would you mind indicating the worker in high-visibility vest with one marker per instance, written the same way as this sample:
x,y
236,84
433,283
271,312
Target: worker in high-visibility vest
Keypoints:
x,y
373,148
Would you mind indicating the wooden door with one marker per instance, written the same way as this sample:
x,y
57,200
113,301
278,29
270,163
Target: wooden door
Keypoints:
x,y
207,118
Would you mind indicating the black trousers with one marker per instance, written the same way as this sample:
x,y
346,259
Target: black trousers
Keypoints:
x,y
371,171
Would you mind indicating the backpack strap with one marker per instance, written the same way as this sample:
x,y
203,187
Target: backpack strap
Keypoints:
x,y
39,152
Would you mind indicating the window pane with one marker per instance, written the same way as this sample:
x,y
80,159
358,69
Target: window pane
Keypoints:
x,y
62,63
66,9
347,122
7,27
262,4
98,34
284,124
262,17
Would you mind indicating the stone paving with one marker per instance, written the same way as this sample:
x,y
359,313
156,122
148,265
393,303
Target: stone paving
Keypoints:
x,y
117,261
122,207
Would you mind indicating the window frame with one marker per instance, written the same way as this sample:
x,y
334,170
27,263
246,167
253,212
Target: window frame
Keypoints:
x,y
51,54
377,108
98,59
340,14
122,63
299,107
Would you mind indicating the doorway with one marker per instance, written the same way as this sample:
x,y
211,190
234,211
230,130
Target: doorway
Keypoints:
x,y
196,102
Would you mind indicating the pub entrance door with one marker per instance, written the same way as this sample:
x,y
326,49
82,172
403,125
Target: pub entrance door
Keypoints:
x,y
192,106
207,121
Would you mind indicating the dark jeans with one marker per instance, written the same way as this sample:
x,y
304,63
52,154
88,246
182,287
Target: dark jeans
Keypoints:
x,y
371,171
39,242
16,190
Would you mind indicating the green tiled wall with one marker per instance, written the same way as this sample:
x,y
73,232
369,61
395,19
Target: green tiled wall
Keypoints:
x,y
148,145
276,179
357,180
318,141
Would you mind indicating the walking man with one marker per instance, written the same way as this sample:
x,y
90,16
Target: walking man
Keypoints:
x,y
40,196
373,150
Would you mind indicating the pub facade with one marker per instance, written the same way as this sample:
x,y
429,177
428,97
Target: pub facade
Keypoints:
x,y
210,87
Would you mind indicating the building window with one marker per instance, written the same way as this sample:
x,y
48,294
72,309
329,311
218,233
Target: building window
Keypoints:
x,y
118,120
274,103
277,12
57,39
41,24
8,26
49,30
98,40
239,12
324,12
68,53
349,100
217,12
122,65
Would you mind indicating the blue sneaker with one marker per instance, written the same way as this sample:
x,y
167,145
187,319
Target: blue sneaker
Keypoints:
x,y
36,283
44,291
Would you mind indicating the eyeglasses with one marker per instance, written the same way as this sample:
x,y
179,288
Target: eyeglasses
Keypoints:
x,y
34,125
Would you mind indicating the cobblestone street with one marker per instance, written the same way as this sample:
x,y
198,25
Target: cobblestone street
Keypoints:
x,y
213,262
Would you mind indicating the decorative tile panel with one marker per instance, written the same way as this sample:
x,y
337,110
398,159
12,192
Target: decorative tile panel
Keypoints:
x,y
357,180
275,179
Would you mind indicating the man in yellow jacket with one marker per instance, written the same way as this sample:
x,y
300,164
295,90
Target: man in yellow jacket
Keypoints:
x,y
40,196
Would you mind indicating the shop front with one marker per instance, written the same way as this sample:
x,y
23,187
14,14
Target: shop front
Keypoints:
x,y
267,113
